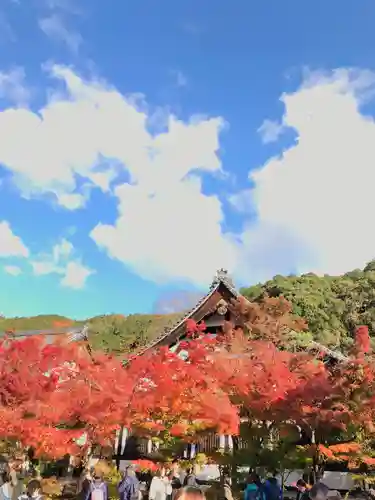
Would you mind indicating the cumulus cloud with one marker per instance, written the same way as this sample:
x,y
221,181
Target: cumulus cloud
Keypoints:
x,y
310,208
75,275
159,208
13,270
314,202
11,245
61,261
46,150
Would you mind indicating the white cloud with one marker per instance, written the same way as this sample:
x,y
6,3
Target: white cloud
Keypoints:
x,y
75,275
10,244
315,201
71,201
46,151
55,28
173,232
309,208
60,261
62,250
43,267
13,87
270,131
13,270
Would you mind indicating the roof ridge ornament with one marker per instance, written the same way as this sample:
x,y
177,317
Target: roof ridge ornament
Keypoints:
x,y
223,276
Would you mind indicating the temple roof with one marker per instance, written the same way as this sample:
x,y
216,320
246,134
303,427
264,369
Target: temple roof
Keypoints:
x,y
221,283
337,355
221,288
73,334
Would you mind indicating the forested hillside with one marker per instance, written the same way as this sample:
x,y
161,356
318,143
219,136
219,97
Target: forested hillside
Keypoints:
x,y
111,333
332,306
40,322
119,333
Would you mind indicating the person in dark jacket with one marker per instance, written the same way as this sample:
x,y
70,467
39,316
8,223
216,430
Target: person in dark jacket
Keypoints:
x,y
254,489
176,477
319,491
272,489
303,490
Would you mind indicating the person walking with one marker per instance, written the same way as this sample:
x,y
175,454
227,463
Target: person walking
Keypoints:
x,y
225,488
98,488
6,489
84,483
158,490
254,488
168,485
33,491
303,490
16,478
129,487
272,489
190,478
319,491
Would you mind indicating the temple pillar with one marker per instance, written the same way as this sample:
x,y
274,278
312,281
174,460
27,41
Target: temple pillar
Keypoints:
x,y
149,446
222,441
230,443
124,438
117,441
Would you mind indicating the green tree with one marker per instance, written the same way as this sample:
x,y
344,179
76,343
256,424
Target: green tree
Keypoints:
x,y
119,334
333,306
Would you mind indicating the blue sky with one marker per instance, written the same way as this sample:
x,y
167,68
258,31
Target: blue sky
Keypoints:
x,y
143,145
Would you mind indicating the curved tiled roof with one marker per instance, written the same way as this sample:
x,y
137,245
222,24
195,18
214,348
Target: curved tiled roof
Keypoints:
x,y
222,277
78,334
73,334
329,352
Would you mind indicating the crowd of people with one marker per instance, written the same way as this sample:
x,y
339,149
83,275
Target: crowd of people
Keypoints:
x,y
270,489
170,484
166,484
13,475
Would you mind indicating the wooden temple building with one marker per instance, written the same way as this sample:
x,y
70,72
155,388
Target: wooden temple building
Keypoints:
x,y
214,309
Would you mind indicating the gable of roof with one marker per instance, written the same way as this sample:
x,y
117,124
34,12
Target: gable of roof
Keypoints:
x,y
222,285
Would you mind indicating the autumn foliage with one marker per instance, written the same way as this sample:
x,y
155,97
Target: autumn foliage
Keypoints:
x,y
52,395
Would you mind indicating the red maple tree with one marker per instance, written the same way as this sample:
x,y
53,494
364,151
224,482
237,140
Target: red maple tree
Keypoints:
x,y
274,387
52,394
